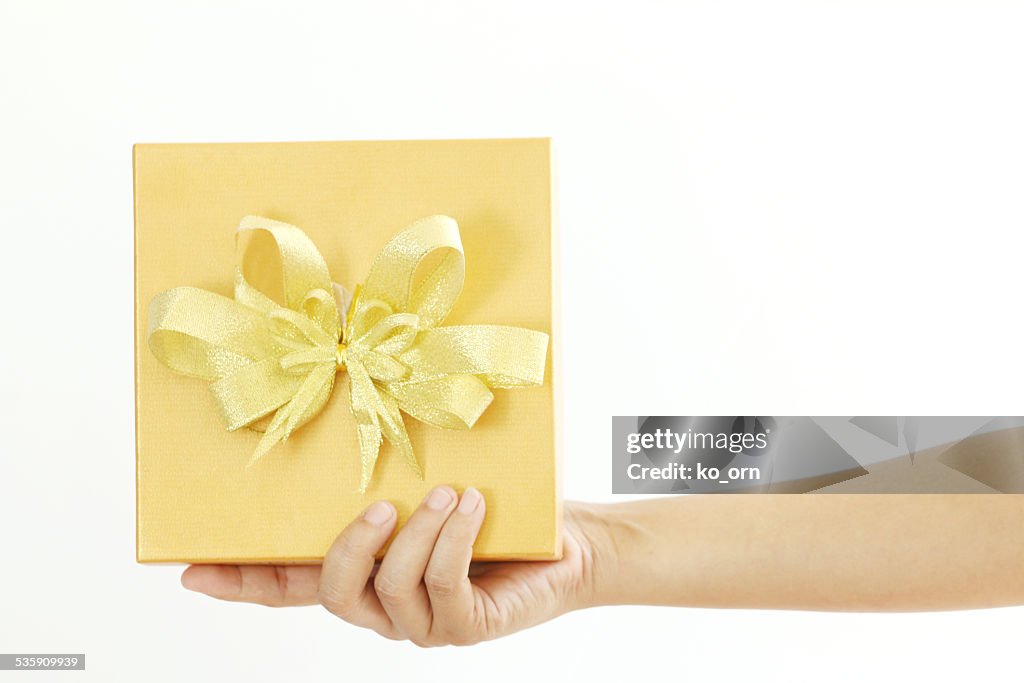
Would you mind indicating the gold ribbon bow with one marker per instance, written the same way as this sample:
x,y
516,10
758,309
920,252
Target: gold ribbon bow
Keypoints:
x,y
262,357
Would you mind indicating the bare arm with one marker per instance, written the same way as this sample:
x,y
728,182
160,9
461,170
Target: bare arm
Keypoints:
x,y
817,551
822,552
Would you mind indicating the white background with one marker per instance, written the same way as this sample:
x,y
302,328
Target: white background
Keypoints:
x,y
770,208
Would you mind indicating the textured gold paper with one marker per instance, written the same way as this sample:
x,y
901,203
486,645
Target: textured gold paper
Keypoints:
x,y
197,501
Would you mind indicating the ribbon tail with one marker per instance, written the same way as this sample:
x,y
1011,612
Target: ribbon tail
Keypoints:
x,y
453,402
502,357
361,395
394,431
307,402
370,439
378,418
274,435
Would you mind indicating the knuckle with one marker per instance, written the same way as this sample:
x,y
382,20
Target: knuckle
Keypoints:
x,y
422,643
456,532
389,634
388,589
440,584
348,548
335,602
464,640
458,636
347,557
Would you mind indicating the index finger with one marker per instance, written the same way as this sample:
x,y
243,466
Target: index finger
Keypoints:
x,y
345,588
274,586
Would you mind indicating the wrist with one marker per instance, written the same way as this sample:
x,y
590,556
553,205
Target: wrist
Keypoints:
x,y
603,540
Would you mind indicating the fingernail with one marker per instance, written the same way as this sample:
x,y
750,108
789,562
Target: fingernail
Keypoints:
x,y
470,501
379,514
439,499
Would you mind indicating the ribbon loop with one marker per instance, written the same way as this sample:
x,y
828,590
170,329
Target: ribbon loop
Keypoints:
x,y
391,335
223,339
303,270
391,277
265,357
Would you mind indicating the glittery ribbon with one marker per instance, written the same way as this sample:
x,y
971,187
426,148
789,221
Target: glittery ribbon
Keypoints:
x,y
265,358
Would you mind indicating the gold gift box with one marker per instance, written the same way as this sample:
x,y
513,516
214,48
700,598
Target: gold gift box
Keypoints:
x,y
196,499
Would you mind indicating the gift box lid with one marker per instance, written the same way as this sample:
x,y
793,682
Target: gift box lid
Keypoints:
x,y
197,500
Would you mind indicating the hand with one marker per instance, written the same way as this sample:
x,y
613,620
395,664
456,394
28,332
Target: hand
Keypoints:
x,y
425,589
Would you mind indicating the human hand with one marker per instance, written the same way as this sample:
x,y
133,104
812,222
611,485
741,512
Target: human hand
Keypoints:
x,y
425,589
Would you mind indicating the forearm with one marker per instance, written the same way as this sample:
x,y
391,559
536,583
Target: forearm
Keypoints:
x,y
828,552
